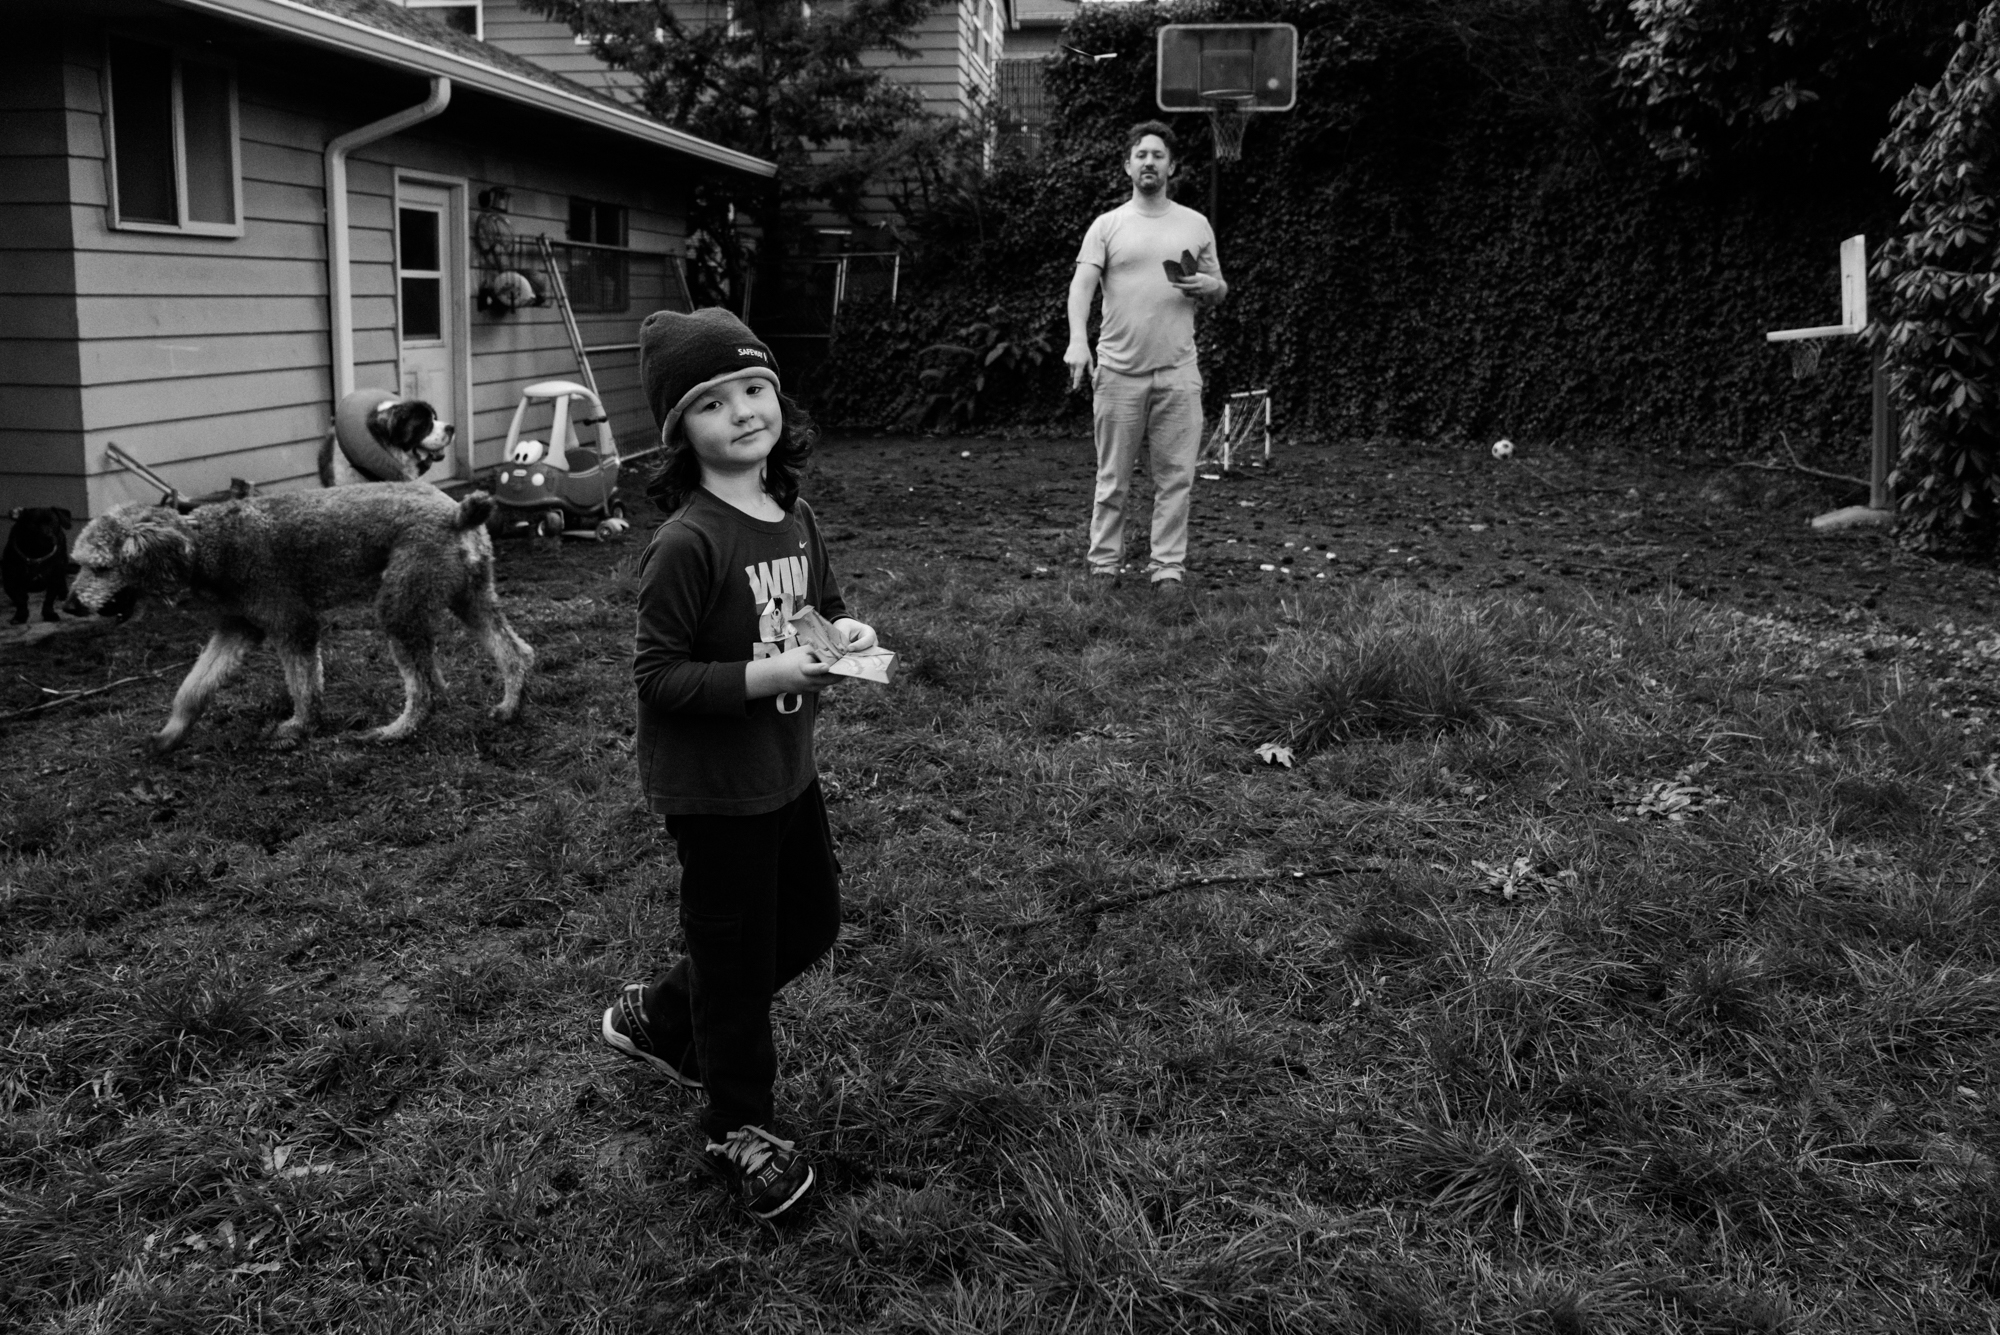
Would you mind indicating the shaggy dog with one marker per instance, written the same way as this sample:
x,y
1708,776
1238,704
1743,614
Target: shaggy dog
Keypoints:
x,y
37,560
270,565
409,434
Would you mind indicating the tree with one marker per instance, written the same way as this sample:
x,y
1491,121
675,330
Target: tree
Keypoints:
x,y
1942,337
1708,77
776,78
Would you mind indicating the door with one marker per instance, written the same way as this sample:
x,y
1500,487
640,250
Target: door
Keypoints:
x,y
428,301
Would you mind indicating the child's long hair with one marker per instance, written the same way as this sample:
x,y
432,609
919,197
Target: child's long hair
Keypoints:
x,y
679,475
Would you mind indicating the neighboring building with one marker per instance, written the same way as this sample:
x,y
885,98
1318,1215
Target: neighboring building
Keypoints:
x,y
170,279
1034,38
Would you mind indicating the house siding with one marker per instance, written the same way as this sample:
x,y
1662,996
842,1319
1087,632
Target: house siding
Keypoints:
x,y
510,25
41,415
208,358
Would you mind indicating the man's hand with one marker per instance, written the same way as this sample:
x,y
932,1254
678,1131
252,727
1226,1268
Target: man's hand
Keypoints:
x,y
1079,361
1201,287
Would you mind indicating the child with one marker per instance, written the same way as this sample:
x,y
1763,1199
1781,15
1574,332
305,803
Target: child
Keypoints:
x,y
725,745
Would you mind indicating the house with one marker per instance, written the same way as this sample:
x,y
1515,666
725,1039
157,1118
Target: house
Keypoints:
x,y
1034,38
218,215
958,47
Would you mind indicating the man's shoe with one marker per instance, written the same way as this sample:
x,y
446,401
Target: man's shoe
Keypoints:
x,y
761,1171
1104,577
627,1031
1168,590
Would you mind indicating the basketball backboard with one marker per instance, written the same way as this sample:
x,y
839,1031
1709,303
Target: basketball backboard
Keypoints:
x,y
1853,298
1199,62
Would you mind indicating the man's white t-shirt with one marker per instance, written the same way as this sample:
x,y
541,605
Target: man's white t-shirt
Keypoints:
x,y
1148,323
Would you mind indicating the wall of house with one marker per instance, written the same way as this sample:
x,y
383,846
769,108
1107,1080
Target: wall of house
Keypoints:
x,y
943,71
208,358
553,46
41,417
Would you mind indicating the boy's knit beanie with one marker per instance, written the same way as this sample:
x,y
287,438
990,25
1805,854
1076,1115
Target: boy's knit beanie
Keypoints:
x,y
682,355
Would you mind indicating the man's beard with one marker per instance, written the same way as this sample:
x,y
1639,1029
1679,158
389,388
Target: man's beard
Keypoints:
x,y
1151,185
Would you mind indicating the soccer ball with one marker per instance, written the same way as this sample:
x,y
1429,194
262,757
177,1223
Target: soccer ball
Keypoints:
x,y
1503,449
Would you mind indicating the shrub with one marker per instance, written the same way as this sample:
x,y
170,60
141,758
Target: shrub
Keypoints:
x,y
1943,274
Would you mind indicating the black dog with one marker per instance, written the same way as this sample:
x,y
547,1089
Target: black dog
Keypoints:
x,y
407,439
37,560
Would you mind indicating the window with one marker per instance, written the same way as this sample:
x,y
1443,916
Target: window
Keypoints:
x,y
598,274
986,31
459,15
170,123
420,273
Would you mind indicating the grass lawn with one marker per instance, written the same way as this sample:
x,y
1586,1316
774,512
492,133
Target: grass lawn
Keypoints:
x,y
1607,959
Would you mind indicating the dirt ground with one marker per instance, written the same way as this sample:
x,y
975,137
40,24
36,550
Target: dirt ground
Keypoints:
x,y
1437,516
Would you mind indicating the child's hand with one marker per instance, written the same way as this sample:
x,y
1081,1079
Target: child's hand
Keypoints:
x,y
791,673
860,635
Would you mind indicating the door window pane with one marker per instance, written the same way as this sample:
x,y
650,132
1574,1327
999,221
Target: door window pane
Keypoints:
x,y
418,230
423,308
211,170
142,97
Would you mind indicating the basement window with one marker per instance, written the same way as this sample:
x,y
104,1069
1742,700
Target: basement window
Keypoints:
x,y
171,134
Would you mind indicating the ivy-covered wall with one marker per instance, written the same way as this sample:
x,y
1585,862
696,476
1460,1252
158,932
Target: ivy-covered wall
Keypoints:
x,y
1455,233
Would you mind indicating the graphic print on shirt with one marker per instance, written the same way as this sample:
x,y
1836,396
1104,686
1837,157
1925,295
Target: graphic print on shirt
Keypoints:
x,y
778,588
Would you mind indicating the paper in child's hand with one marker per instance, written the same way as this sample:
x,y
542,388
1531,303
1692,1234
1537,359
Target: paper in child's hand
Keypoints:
x,y
870,665
818,634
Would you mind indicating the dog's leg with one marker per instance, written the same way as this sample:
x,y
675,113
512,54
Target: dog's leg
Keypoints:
x,y
305,679
480,610
413,660
232,640
407,611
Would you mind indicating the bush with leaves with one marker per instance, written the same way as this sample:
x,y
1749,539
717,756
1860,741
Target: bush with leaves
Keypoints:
x,y
990,352
1943,274
1710,78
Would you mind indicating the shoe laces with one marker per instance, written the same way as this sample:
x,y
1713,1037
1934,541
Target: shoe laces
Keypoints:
x,y
750,1147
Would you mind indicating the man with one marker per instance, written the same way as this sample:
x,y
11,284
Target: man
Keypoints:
x,y
1148,385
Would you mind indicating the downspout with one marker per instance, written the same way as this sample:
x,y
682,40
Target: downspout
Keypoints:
x,y
339,276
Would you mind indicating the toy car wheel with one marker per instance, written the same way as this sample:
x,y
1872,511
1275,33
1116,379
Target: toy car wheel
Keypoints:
x,y
552,523
611,528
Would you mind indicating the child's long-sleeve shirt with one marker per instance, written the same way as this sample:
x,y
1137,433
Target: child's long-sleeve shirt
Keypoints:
x,y
706,579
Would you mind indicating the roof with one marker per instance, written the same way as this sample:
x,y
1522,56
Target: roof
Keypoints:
x,y
385,32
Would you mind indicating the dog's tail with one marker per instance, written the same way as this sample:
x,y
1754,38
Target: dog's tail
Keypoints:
x,y
474,511
326,459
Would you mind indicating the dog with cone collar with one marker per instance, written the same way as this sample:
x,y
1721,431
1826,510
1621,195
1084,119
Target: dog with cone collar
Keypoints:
x,y
271,566
387,438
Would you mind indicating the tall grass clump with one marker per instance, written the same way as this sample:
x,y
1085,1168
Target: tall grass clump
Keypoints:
x,y
1377,663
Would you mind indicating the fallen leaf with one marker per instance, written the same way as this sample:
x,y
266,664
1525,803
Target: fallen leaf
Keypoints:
x,y
1273,754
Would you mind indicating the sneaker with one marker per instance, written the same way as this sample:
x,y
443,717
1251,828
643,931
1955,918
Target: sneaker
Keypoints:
x,y
627,1032
1104,577
760,1170
1168,590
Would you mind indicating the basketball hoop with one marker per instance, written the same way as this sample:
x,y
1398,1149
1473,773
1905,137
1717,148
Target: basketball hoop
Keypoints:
x,y
1805,357
1228,115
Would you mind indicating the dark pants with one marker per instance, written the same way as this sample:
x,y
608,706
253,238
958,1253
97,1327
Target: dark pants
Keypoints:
x,y
760,901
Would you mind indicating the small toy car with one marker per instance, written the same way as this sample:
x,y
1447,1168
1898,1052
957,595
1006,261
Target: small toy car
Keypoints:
x,y
556,483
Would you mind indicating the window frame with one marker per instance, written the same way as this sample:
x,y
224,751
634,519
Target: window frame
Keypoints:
x,y
440,275
478,8
178,56
595,253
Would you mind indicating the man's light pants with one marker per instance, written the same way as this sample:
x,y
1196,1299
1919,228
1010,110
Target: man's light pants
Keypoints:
x,y
1162,409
